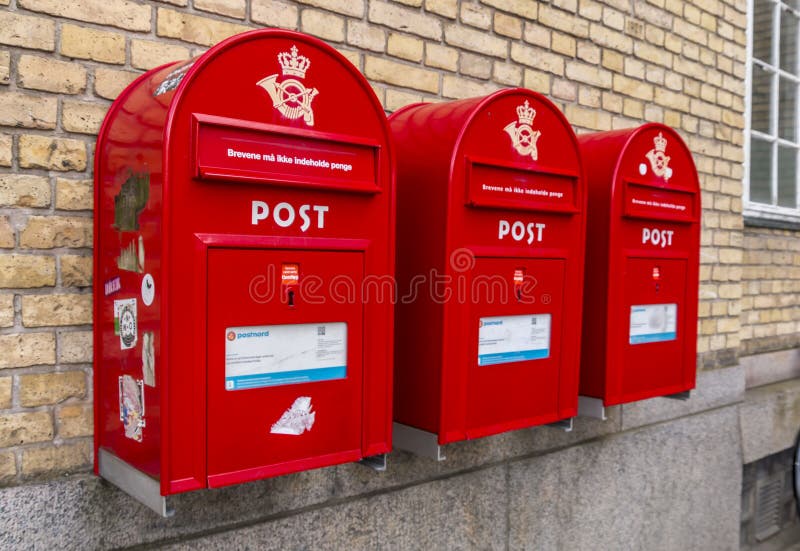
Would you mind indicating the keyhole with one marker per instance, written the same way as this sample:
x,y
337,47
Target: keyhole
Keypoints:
x,y
290,298
519,294
658,287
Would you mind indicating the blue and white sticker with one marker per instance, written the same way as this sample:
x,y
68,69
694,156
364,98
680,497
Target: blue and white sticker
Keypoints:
x,y
506,339
272,355
653,323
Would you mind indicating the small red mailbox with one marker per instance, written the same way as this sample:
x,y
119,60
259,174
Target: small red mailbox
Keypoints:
x,y
244,201
490,268
643,247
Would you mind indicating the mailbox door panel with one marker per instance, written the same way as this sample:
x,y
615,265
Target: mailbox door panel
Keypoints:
x,y
515,343
653,325
284,375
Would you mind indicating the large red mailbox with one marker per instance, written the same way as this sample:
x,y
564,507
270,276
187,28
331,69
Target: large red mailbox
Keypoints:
x,y
490,266
244,200
642,262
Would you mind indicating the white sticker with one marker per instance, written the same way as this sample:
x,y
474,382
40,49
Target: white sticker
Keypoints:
x,y
148,358
148,289
271,355
131,407
506,339
653,323
297,419
125,322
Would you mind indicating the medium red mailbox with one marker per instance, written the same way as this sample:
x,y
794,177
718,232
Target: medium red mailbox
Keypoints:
x,y
642,261
243,200
490,267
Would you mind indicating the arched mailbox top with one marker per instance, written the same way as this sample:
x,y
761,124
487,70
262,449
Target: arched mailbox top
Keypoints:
x,y
514,148
648,171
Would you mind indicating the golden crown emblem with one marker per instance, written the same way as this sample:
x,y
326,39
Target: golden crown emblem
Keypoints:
x,y
660,142
293,64
526,113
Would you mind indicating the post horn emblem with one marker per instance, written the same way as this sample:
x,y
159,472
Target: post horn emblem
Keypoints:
x,y
523,137
290,97
659,162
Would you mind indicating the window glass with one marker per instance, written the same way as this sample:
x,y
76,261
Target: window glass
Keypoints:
x,y
760,99
787,176
787,109
760,171
762,30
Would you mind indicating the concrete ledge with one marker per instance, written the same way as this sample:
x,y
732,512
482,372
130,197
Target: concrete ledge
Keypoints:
x,y
770,419
771,367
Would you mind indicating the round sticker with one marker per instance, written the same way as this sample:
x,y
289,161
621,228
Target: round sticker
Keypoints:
x,y
127,326
148,289
642,169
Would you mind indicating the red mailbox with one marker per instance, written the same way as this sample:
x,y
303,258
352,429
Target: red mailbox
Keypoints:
x,y
642,261
244,200
490,244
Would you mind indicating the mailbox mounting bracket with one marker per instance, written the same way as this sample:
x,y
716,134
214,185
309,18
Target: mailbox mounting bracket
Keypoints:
x,y
563,424
375,462
591,407
133,482
417,441
683,396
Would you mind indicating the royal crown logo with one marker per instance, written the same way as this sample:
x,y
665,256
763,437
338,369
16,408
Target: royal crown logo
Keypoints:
x,y
523,136
659,162
290,97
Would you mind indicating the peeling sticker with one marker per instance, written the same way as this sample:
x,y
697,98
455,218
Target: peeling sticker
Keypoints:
x,y
148,289
112,286
130,201
297,419
131,407
125,322
148,358
131,258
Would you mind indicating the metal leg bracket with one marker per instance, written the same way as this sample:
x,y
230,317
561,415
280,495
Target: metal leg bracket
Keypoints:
x,y
591,407
375,462
417,441
564,424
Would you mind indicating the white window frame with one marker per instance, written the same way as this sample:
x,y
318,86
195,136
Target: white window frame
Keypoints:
x,y
762,211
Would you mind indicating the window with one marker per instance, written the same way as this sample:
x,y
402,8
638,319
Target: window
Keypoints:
x,y
773,133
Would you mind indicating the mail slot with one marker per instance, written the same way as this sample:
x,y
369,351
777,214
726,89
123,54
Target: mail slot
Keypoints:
x,y
244,206
643,246
490,243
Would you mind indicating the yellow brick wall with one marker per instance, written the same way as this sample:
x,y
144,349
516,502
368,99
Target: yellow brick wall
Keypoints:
x,y
608,64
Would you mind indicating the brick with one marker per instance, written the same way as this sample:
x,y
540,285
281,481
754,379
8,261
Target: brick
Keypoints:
x,y
591,10
37,33
274,13
632,87
457,87
88,43
366,36
323,25
405,47
54,459
475,66
509,74
23,190
441,57
6,233
51,388
588,118
75,347
476,41
74,194
231,8
27,111
49,310
563,44
195,29
569,5
354,8
537,80
351,56
537,35
607,38
5,67
8,468
51,153
23,271
76,271
395,99
50,75
6,144
6,310
475,15
564,90
403,19
25,428
562,21
525,8
27,349
588,52
5,392
147,54
115,13
82,117
446,8
537,58
47,232
507,25
390,72
108,83
75,420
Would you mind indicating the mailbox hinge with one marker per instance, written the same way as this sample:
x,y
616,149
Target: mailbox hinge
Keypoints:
x,y
417,441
